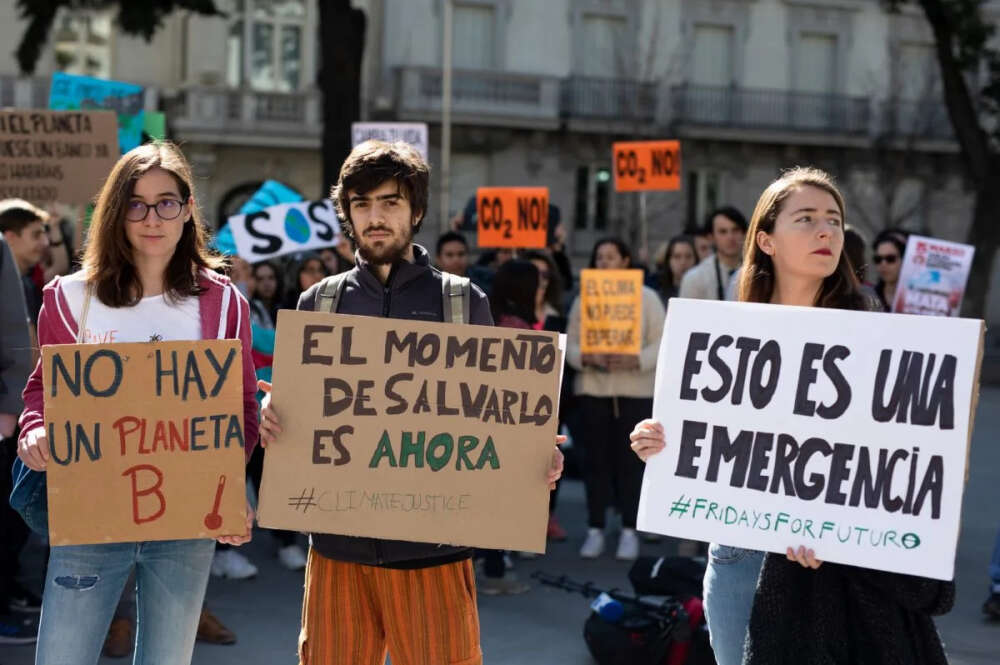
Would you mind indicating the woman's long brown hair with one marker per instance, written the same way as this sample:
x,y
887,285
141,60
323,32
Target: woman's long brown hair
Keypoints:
x,y
840,290
107,262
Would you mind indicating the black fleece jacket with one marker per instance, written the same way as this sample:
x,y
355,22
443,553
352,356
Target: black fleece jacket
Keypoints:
x,y
843,615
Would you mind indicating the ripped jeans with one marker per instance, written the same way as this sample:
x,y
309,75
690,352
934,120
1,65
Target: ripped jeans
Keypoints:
x,y
84,583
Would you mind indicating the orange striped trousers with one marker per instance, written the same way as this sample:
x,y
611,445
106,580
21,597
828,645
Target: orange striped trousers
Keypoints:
x,y
352,614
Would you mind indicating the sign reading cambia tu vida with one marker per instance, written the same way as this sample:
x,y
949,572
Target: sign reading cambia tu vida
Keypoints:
x,y
145,441
412,430
284,229
846,432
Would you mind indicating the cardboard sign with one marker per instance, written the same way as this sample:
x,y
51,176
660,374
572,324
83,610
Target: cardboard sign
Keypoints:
x,y
846,432
145,441
611,311
59,156
933,277
72,93
513,217
410,430
647,165
414,133
285,228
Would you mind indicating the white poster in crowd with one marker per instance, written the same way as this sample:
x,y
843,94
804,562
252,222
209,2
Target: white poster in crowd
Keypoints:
x,y
846,432
284,229
414,133
933,277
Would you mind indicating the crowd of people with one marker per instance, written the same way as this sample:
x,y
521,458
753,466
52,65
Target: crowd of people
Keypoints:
x,y
147,272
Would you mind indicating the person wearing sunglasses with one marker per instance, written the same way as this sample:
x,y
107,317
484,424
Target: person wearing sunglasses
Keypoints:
x,y
147,276
889,247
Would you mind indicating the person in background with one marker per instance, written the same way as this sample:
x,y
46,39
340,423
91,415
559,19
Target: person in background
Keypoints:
x,y
452,253
709,279
549,316
613,392
512,304
889,247
17,603
268,286
680,256
334,261
309,271
702,236
25,230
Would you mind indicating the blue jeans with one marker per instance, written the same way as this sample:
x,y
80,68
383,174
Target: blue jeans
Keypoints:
x,y
730,585
995,566
83,586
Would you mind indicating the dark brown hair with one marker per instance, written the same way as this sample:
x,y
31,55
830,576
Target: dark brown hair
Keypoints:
x,y
374,162
839,290
554,290
16,214
108,264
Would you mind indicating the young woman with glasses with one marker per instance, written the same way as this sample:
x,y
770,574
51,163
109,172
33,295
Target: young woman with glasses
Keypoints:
x,y
147,276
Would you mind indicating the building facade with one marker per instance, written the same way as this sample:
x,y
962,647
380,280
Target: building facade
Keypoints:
x,y
540,90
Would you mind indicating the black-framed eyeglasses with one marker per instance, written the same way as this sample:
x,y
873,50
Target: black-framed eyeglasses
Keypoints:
x,y
166,209
888,258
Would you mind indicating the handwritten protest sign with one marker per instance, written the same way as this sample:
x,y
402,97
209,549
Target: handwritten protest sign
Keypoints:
x,y
285,228
70,92
512,216
611,311
933,277
59,156
412,430
145,440
646,165
414,133
843,431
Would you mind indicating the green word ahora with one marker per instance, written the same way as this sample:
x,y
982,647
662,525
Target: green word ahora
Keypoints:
x,y
415,450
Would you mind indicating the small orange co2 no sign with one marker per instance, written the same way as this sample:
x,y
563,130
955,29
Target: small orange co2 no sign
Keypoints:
x,y
646,165
514,217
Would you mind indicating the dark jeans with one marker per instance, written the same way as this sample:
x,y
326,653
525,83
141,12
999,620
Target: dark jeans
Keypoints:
x,y
15,531
612,472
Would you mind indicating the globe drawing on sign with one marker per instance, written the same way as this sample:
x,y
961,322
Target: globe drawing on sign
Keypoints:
x,y
296,226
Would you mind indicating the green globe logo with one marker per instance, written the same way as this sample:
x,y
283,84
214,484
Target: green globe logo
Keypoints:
x,y
296,226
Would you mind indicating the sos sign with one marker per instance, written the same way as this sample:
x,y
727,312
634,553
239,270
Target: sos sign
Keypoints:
x,y
284,229
512,217
646,165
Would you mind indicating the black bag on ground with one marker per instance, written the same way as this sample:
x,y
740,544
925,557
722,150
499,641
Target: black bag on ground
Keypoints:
x,y
638,638
677,576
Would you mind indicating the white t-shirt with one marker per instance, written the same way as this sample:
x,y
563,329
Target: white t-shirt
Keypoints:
x,y
152,319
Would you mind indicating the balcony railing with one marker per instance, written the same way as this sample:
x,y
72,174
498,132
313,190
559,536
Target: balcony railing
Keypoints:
x,y
502,98
779,110
918,120
246,116
619,100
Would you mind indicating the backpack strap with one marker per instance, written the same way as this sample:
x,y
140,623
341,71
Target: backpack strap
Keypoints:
x,y
88,294
330,290
456,298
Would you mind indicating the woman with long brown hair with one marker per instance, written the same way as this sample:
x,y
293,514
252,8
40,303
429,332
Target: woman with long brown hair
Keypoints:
x,y
147,277
794,256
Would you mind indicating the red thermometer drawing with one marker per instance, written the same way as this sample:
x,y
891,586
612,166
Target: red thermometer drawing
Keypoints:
x,y
214,520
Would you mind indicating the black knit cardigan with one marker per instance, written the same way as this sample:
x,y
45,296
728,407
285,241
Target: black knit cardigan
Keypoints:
x,y
844,615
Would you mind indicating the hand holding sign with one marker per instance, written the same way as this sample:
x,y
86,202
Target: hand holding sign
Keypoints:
x,y
34,450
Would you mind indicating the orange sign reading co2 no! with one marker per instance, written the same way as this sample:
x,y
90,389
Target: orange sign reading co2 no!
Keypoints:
x,y
514,217
646,165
